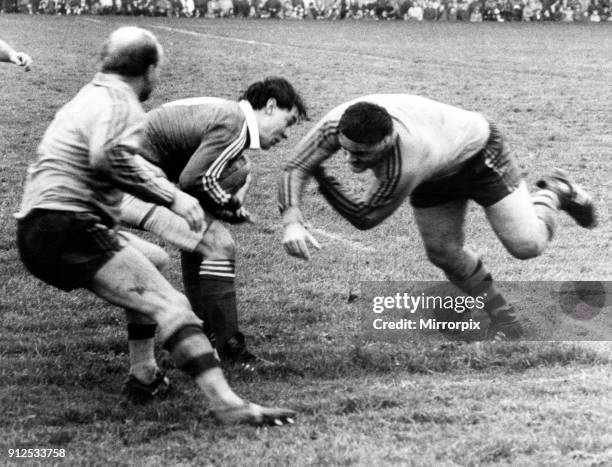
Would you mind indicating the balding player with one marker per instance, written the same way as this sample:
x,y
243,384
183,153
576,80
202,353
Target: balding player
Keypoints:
x,y
67,224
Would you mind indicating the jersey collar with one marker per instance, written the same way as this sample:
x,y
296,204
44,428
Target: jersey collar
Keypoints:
x,y
112,81
251,121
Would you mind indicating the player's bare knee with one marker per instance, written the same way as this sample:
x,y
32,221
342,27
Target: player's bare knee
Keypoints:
x,y
154,253
526,249
159,258
443,257
217,243
178,301
225,248
228,248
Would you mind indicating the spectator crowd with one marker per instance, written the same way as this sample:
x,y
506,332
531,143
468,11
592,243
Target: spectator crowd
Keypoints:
x,y
407,10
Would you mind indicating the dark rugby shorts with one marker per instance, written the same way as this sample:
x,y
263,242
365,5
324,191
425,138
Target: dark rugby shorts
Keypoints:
x,y
487,177
65,249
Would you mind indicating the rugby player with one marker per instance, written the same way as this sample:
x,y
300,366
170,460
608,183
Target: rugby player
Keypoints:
x,y
438,156
67,225
192,141
8,54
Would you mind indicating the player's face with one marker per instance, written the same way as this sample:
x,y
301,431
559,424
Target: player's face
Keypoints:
x,y
361,157
272,128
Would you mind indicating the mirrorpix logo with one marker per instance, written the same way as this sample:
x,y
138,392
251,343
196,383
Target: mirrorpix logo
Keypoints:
x,y
582,300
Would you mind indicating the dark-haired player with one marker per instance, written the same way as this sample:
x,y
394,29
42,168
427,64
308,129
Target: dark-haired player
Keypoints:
x,y
440,157
192,141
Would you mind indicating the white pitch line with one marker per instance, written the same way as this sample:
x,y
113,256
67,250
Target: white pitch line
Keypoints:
x,y
91,20
213,36
340,239
271,44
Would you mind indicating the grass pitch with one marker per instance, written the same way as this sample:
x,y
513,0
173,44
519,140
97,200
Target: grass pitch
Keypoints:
x,y
64,357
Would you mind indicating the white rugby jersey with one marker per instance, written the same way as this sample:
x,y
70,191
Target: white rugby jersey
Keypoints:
x,y
433,141
89,155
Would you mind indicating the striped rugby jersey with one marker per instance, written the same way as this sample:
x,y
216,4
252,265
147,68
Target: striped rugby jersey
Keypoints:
x,y
192,140
89,155
433,140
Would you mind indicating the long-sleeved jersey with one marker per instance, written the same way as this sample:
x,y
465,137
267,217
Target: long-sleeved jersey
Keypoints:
x,y
89,155
192,141
433,141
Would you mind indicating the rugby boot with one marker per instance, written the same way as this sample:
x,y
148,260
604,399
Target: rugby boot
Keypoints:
x,y
573,199
235,353
505,325
135,388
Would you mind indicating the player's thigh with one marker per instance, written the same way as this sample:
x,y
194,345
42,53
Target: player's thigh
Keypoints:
x,y
442,227
217,242
154,253
516,224
131,281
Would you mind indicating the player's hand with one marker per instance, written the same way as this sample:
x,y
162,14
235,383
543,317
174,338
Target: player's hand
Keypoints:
x,y
296,239
245,215
238,216
189,209
254,414
241,193
21,59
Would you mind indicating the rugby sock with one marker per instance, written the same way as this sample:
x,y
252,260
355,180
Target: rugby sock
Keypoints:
x,y
141,344
218,298
546,204
190,265
193,354
480,284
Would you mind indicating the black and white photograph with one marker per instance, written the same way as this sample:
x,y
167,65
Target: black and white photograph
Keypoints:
x,y
306,232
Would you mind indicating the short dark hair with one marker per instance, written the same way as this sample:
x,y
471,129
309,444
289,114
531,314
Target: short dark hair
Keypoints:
x,y
278,88
365,123
130,57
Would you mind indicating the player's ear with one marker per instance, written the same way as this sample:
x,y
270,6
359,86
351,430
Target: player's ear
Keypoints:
x,y
392,137
152,73
270,105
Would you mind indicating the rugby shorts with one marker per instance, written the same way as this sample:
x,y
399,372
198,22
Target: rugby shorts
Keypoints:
x,y
66,249
487,177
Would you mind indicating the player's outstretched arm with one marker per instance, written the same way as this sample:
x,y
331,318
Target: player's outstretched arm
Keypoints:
x,y
318,145
202,174
8,54
364,214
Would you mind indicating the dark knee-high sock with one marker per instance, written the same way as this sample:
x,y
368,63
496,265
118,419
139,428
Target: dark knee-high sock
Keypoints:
x,y
218,298
190,265
480,283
